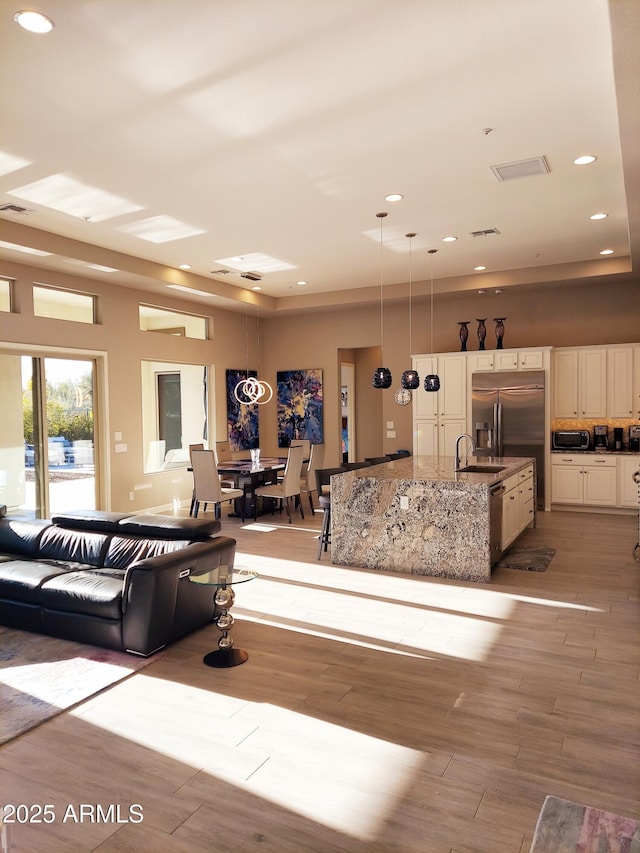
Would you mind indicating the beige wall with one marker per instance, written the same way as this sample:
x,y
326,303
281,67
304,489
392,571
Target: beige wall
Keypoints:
x,y
579,314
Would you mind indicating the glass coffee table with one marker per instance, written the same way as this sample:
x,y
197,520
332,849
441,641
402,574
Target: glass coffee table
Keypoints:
x,y
222,580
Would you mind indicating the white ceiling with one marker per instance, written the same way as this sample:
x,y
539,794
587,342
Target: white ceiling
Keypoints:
x,y
278,126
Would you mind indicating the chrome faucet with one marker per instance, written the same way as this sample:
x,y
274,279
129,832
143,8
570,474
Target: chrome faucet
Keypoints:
x,y
458,440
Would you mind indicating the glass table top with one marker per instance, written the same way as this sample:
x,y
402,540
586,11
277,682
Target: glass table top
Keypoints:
x,y
224,576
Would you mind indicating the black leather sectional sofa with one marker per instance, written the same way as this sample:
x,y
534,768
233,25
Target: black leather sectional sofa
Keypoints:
x,y
109,579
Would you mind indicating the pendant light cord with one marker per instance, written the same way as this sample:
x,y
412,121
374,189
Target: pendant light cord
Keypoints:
x,y
381,216
411,235
431,252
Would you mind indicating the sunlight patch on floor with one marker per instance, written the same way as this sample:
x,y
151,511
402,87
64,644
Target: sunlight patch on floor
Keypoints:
x,y
261,748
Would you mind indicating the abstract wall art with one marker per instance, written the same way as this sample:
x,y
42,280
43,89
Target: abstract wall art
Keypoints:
x,y
242,418
299,406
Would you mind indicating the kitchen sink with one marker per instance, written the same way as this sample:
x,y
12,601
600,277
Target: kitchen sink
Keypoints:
x,y
481,469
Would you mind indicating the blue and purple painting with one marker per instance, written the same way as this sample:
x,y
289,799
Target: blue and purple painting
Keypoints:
x,y
242,419
299,406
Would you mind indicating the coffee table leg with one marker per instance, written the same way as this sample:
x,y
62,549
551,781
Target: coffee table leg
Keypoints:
x,y
225,655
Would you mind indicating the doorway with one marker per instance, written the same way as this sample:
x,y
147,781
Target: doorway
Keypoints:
x,y
347,411
47,446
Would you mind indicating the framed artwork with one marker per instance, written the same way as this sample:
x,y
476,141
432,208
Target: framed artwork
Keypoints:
x,y
242,419
300,406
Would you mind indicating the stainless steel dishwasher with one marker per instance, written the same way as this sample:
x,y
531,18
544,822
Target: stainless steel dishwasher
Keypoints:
x,y
495,521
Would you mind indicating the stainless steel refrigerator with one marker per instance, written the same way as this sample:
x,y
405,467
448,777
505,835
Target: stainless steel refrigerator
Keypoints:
x,y
508,417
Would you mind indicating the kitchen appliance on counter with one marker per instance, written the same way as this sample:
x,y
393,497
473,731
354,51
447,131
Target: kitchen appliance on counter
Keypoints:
x,y
634,438
600,438
507,412
618,438
571,439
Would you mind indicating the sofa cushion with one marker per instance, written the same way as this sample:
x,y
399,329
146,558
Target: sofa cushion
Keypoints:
x,y
125,550
21,536
93,593
74,546
20,580
170,526
90,519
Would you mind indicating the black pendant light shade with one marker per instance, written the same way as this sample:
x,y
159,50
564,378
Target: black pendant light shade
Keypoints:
x,y
432,382
410,380
382,378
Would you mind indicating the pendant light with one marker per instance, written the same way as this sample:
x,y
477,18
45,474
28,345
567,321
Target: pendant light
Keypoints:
x,y
410,379
251,390
432,381
382,376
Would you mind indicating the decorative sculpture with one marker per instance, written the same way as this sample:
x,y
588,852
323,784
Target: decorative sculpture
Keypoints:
x,y
499,321
464,334
482,332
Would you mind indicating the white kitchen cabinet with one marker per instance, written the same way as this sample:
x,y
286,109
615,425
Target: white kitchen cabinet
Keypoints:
x,y
636,381
451,400
579,383
508,359
620,370
584,480
518,505
628,489
434,437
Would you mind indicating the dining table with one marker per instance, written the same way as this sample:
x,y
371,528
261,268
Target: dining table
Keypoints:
x,y
249,477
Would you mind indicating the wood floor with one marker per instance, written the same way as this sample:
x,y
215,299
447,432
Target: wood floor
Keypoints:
x,y
376,712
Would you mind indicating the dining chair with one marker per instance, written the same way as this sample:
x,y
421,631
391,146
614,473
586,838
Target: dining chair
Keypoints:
x,y
305,443
290,485
192,447
308,480
323,487
223,454
206,483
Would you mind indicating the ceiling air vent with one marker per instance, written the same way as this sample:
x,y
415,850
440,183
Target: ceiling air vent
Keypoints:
x,y
14,208
521,169
220,272
486,232
252,276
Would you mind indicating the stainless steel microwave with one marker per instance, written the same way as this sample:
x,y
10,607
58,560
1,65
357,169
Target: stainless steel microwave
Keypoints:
x,y
571,439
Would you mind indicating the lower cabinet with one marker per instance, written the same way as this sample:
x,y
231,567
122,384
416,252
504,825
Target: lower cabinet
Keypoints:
x,y
584,480
628,488
437,437
518,505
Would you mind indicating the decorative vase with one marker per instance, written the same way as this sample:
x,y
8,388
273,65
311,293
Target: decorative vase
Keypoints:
x,y
482,332
499,321
464,334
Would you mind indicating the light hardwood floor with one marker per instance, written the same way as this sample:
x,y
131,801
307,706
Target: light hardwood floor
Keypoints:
x,y
376,712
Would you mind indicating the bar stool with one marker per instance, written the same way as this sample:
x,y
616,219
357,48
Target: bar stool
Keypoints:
x,y
323,488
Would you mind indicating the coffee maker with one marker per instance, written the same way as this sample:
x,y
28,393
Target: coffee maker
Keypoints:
x,y
600,438
634,438
618,438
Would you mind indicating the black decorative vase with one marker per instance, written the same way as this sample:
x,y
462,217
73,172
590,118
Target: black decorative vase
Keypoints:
x,y
482,332
464,334
499,321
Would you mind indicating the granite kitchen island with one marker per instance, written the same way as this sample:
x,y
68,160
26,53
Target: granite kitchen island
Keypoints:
x,y
418,515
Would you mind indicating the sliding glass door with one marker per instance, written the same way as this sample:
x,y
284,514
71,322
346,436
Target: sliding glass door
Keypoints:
x,y
47,447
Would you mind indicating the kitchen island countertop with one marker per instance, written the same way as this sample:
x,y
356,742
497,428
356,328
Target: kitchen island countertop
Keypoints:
x,y
418,515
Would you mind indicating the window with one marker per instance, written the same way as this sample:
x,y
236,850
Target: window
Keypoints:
x,y
175,405
5,294
59,304
153,319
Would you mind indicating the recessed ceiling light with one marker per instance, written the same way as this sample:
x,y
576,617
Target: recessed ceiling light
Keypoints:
x,y
479,269
256,287
301,283
449,239
599,216
585,160
607,252
394,197
35,22
185,266
498,290
481,292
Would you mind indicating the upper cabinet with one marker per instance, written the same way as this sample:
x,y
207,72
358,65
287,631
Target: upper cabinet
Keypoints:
x,y
451,400
507,359
579,383
597,382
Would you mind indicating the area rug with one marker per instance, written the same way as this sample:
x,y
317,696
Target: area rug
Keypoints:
x,y
567,827
526,559
42,676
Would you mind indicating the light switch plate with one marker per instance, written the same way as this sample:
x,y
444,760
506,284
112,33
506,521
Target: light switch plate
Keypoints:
x,y
391,433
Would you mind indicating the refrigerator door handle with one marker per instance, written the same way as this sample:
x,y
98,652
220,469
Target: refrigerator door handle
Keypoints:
x,y
497,425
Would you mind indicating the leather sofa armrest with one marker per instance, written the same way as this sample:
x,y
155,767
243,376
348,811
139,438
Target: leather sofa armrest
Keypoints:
x,y
151,593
